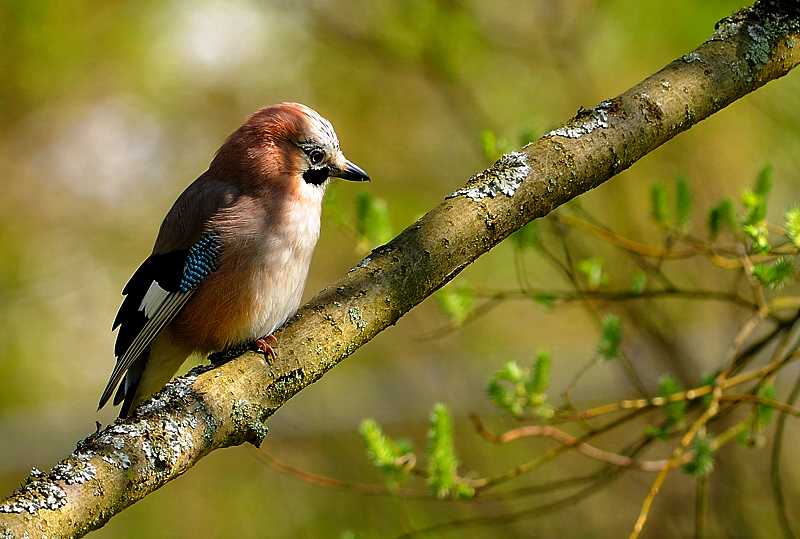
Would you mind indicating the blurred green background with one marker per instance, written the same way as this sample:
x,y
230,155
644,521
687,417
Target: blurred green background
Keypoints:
x,y
108,109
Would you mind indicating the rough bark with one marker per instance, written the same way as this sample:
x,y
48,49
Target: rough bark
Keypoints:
x,y
213,408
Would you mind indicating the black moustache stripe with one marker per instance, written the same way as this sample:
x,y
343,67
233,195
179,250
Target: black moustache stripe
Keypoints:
x,y
316,176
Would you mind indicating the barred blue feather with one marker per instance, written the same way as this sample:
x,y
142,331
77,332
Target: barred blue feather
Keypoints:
x,y
201,261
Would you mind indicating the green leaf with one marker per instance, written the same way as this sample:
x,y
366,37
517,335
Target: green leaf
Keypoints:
x,y
456,301
610,338
755,201
660,200
764,413
764,181
332,206
489,145
723,215
512,372
506,388
656,432
378,449
540,378
592,269
442,462
702,462
759,234
752,203
521,391
493,147
527,236
714,222
544,299
775,274
404,447
683,203
729,215
372,220
504,146
384,453
464,491
676,410
543,411
638,282
501,394
526,136
792,223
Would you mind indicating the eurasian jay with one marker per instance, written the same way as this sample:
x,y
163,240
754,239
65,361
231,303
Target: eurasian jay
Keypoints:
x,y
232,255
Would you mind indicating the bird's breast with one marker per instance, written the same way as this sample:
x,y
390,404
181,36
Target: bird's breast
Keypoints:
x,y
258,284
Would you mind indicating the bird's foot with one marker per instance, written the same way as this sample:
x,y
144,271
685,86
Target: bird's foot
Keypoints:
x,y
264,345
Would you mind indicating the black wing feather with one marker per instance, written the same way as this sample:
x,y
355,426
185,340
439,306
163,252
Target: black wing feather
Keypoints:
x,y
166,270
134,327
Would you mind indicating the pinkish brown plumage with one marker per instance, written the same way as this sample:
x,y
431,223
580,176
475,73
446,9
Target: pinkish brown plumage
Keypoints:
x,y
232,255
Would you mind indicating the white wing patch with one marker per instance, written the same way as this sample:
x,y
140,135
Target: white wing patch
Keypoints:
x,y
162,314
153,300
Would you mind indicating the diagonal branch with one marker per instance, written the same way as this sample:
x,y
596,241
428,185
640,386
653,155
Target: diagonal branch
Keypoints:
x,y
210,409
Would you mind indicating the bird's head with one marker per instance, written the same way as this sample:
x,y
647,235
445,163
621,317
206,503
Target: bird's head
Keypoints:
x,y
288,142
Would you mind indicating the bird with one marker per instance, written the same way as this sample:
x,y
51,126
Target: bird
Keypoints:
x,y
232,255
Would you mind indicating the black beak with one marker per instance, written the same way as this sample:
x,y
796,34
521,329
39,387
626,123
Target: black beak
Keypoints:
x,y
351,172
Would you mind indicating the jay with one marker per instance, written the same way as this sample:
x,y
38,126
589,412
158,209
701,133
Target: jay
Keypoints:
x,y
232,255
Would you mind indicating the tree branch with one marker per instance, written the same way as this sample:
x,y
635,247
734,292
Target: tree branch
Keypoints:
x,y
213,408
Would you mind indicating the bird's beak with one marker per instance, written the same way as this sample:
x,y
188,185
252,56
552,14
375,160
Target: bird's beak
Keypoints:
x,y
351,172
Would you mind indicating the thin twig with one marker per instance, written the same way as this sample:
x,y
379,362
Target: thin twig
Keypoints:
x,y
674,460
625,243
627,364
775,468
539,489
758,290
744,332
754,348
548,456
627,295
643,262
605,476
695,393
701,507
565,439
785,408
610,474
319,480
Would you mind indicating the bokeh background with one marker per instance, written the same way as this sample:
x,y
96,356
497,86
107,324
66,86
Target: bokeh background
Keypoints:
x,y
109,109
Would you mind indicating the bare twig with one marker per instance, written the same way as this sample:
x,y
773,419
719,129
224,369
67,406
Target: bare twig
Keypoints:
x,y
565,439
701,507
785,408
322,481
775,468
625,243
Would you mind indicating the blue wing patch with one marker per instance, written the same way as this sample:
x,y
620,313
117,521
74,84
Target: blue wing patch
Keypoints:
x,y
201,261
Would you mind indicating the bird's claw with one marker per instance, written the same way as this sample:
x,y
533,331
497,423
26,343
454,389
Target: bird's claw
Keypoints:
x,y
265,344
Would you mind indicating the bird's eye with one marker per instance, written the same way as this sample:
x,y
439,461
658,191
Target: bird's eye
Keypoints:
x,y
316,156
